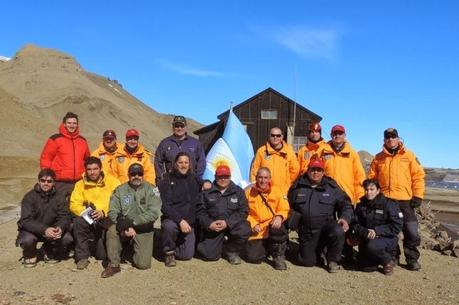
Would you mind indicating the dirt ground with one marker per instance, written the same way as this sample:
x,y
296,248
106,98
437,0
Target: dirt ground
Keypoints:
x,y
198,282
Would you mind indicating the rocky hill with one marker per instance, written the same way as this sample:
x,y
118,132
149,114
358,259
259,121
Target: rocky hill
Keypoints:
x,y
38,86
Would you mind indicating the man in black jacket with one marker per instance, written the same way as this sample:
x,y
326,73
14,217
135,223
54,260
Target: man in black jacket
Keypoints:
x,y
44,217
222,211
318,198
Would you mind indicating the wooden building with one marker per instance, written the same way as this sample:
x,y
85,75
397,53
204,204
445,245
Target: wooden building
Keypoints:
x,y
259,114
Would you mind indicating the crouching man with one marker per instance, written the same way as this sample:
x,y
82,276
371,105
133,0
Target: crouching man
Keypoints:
x,y
134,207
222,211
44,217
319,199
268,209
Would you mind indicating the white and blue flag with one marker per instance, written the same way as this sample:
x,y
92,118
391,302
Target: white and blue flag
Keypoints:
x,y
234,149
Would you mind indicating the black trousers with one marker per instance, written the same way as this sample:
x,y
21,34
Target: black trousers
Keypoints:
x,y
313,242
376,252
28,242
211,247
275,244
88,237
411,238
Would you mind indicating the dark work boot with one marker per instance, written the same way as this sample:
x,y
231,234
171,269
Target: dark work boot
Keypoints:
x,y
169,260
279,263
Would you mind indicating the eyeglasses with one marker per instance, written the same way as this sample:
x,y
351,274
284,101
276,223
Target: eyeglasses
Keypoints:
x,y
276,135
337,133
46,180
316,169
136,174
179,126
391,137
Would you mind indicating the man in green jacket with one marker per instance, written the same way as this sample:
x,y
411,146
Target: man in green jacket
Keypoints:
x,y
134,207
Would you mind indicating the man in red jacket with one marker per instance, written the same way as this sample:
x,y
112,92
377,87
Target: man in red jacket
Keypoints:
x,y
65,153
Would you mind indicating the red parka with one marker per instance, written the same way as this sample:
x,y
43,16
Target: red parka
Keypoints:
x,y
65,153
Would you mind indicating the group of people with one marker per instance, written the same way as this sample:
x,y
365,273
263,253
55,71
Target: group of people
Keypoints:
x,y
112,197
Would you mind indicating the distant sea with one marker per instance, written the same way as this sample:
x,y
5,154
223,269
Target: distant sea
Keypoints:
x,y
444,185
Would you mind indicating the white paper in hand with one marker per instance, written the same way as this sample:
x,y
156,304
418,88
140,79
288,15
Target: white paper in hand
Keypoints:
x,y
86,214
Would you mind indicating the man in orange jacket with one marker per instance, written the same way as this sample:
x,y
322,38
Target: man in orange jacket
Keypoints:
x,y
133,152
107,150
342,163
280,158
401,177
65,153
313,145
268,210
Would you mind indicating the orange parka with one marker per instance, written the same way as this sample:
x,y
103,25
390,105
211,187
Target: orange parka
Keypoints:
x,y
345,168
308,151
401,176
283,165
259,213
65,154
107,157
123,160
98,193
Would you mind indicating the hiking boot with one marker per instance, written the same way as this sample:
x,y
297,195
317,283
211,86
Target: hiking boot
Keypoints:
x,y
388,269
413,266
82,264
110,271
50,259
234,259
169,260
279,263
332,267
30,262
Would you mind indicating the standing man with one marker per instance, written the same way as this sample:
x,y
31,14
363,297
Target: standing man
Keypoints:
x,y
342,163
313,145
268,210
319,199
179,141
133,152
93,192
44,217
65,153
280,158
222,211
401,177
134,207
107,150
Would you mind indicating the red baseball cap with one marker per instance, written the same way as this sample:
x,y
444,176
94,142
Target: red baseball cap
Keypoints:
x,y
222,170
315,127
338,128
132,133
316,163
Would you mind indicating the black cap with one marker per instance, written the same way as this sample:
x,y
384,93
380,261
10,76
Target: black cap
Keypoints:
x,y
179,119
390,132
109,134
135,168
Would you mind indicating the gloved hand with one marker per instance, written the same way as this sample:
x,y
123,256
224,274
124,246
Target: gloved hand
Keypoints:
x,y
123,223
415,202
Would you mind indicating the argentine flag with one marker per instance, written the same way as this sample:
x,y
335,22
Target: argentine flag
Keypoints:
x,y
234,149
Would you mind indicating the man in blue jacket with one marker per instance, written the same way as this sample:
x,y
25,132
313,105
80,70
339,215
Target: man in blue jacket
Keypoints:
x,y
179,141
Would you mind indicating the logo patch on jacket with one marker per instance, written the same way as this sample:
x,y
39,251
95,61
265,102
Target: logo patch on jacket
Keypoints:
x,y
102,158
306,155
127,199
267,156
379,212
120,159
234,199
400,215
325,195
327,156
169,147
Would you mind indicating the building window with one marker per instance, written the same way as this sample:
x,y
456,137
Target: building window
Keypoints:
x,y
269,114
298,142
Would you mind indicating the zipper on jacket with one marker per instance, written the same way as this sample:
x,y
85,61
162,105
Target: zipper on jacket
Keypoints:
x,y
74,161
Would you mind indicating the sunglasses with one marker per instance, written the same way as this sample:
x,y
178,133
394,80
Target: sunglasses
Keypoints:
x,y
316,169
337,133
140,174
391,137
276,135
179,126
223,177
46,180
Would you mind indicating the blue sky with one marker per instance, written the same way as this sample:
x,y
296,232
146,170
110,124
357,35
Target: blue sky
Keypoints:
x,y
367,65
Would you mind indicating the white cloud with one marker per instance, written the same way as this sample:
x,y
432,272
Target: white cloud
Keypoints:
x,y
304,41
186,70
